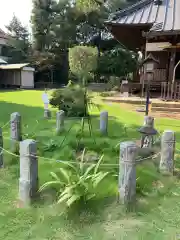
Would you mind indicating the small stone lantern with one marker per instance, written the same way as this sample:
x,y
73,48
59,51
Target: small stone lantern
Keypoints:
x,y
150,63
147,131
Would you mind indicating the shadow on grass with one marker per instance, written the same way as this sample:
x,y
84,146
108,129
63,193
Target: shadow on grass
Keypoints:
x,y
26,112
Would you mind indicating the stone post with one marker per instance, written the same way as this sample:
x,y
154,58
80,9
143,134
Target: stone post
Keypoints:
x,y
167,152
28,182
47,113
15,131
147,140
60,121
127,174
104,122
1,149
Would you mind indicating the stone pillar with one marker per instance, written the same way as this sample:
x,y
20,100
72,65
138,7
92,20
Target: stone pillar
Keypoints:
x,y
16,136
104,122
127,174
147,140
167,152
1,149
60,121
28,182
47,113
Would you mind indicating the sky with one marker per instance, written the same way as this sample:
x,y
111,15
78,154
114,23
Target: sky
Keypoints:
x,y
21,8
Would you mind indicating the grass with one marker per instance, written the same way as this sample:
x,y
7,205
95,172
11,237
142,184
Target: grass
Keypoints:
x,y
157,214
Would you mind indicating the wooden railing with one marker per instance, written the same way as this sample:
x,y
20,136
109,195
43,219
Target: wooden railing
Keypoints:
x,y
170,91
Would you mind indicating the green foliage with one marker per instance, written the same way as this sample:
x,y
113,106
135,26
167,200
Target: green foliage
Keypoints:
x,y
73,100
161,212
108,6
54,31
87,6
54,25
50,146
114,83
146,176
42,18
20,47
83,61
93,13
79,182
117,62
60,25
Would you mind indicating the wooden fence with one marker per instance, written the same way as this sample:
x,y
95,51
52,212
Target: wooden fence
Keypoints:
x,y
170,91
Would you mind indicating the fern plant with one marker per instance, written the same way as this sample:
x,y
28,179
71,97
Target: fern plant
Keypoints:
x,y
78,182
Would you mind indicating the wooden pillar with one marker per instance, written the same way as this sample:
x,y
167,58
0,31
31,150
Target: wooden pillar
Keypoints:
x,y
172,64
143,49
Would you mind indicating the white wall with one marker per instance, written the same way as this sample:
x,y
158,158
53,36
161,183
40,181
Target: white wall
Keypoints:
x,y
27,79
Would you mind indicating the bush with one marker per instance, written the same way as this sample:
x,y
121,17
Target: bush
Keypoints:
x,y
73,100
80,182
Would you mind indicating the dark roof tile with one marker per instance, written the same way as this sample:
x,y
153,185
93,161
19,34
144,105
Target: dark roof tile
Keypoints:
x,y
164,16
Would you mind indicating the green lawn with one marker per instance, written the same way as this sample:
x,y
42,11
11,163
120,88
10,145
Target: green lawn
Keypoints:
x,y
157,215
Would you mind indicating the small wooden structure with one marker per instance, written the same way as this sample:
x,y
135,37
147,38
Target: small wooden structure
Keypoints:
x,y
155,27
16,75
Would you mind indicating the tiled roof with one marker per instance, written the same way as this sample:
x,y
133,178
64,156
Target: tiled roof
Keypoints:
x,y
13,66
162,15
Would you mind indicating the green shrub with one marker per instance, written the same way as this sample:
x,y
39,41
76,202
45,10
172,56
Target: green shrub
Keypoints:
x,y
80,182
73,100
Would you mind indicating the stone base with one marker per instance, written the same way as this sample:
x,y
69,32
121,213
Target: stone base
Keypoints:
x,y
24,192
47,113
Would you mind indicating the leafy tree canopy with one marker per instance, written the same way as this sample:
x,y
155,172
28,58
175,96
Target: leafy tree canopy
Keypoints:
x,y
83,61
19,41
117,62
